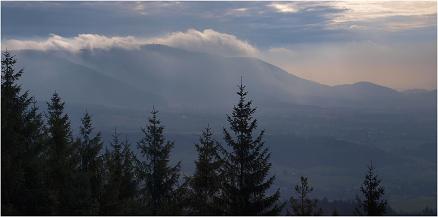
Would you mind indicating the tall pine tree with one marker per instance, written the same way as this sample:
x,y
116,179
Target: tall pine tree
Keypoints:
x,y
22,146
205,184
371,203
61,163
160,179
120,185
246,165
302,205
129,180
90,172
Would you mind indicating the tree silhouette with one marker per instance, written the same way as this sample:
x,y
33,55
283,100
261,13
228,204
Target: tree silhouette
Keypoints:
x,y
22,144
302,205
371,203
206,182
61,163
120,186
90,166
160,189
129,179
246,165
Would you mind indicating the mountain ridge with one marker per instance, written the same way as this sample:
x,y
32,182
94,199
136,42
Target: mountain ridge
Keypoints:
x,y
180,78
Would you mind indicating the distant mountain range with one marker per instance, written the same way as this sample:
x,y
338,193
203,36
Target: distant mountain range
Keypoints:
x,y
178,79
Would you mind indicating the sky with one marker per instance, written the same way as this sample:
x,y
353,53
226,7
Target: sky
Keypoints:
x,y
391,43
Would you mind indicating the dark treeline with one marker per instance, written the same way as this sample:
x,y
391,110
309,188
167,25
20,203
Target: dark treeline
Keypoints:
x,y
46,171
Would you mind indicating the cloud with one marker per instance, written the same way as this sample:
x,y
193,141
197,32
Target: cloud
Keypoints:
x,y
208,41
355,10
284,7
364,15
74,44
237,11
384,15
148,8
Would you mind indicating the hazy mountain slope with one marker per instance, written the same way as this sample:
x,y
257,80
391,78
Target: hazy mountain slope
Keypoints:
x,y
183,77
46,73
364,93
178,79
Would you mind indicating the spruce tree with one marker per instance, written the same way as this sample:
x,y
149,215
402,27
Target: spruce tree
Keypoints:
x,y
160,179
205,184
246,165
89,148
109,204
22,146
302,205
129,180
120,185
371,203
61,163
